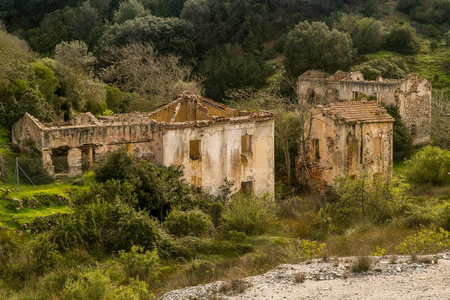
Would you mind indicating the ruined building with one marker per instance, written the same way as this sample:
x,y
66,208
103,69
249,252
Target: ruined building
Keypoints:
x,y
210,140
411,95
346,138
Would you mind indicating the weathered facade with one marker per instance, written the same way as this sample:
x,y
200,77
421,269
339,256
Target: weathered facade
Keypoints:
x,y
412,95
347,138
210,140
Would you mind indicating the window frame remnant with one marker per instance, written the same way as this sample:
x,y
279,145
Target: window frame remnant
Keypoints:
x,y
247,143
247,187
195,149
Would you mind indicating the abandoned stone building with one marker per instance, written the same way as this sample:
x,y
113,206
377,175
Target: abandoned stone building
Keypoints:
x,y
210,140
346,138
411,95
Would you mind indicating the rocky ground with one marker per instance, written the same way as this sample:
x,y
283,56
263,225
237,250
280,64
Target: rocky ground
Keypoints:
x,y
389,277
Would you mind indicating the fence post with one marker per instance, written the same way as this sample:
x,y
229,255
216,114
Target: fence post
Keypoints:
x,y
2,169
17,172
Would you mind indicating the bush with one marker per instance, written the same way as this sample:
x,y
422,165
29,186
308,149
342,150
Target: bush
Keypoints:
x,y
182,223
116,165
426,241
380,67
429,165
248,214
402,39
104,218
156,188
376,200
140,264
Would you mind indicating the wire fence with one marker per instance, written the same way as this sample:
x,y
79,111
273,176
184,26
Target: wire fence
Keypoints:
x,y
17,171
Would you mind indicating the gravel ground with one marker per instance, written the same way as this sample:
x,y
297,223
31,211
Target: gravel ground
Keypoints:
x,y
334,279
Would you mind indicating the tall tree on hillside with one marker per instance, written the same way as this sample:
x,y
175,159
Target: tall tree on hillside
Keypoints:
x,y
129,10
168,36
74,66
315,46
229,67
366,33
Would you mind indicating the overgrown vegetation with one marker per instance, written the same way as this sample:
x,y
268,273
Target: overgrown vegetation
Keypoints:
x,y
140,229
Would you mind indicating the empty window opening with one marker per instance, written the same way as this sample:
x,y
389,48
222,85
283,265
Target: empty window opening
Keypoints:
x,y
59,159
377,146
311,96
246,143
247,187
413,130
87,158
355,94
354,177
316,150
194,149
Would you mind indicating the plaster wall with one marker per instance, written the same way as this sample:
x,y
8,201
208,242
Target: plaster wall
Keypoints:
x,y
221,155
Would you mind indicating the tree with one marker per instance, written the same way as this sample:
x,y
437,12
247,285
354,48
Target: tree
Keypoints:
x,y
165,8
74,66
402,39
168,36
315,46
129,10
366,33
54,28
229,67
244,22
156,78
402,140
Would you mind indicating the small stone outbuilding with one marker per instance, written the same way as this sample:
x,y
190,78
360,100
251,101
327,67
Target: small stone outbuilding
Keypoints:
x,y
347,138
411,95
210,140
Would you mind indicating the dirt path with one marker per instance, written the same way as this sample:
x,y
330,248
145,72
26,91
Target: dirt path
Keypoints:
x,y
335,280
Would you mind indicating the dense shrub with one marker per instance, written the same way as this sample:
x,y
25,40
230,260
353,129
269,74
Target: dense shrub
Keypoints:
x,y
402,39
139,263
426,241
381,67
116,165
248,214
23,257
193,221
156,188
429,165
377,200
105,218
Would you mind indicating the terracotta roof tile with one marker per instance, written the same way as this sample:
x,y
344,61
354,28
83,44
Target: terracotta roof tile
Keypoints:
x,y
356,111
